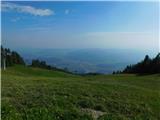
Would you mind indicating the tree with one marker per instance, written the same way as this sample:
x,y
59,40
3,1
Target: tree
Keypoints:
x,y
3,58
9,58
146,66
17,59
42,64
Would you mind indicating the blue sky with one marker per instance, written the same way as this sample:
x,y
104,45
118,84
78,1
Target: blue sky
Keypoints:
x,y
121,25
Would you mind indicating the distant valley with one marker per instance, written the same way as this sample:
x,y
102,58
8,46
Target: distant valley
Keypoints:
x,y
86,60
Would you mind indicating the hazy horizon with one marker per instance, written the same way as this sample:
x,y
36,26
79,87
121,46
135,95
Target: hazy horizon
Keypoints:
x,y
85,60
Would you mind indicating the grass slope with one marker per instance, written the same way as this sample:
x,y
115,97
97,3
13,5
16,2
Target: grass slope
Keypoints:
x,y
37,94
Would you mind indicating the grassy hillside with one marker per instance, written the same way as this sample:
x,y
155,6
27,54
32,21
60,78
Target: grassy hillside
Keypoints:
x,y
37,94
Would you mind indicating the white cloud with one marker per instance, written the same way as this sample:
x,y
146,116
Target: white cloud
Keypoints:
x,y
6,6
66,11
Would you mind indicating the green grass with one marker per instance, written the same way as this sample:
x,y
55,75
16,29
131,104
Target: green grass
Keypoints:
x,y
38,94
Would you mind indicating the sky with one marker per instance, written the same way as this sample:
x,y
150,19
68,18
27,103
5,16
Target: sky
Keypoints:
x,y
120,25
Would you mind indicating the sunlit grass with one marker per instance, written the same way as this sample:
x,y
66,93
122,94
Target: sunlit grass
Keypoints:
x,y
37,94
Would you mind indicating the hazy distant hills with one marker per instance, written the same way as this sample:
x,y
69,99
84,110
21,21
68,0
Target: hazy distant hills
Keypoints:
x,y
85,60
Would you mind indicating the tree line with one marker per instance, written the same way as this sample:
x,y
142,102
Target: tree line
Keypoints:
x,y
9,58
42,64
146,66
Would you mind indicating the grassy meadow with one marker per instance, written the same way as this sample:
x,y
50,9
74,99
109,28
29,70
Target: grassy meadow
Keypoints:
x,y
38,94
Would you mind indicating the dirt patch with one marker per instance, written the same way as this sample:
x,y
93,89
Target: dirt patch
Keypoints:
x,y
94,113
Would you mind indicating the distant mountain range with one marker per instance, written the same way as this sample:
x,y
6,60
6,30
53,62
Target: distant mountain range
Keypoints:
x,y
86,60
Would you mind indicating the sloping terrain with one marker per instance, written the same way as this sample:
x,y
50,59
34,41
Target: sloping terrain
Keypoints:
x,y
38,94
